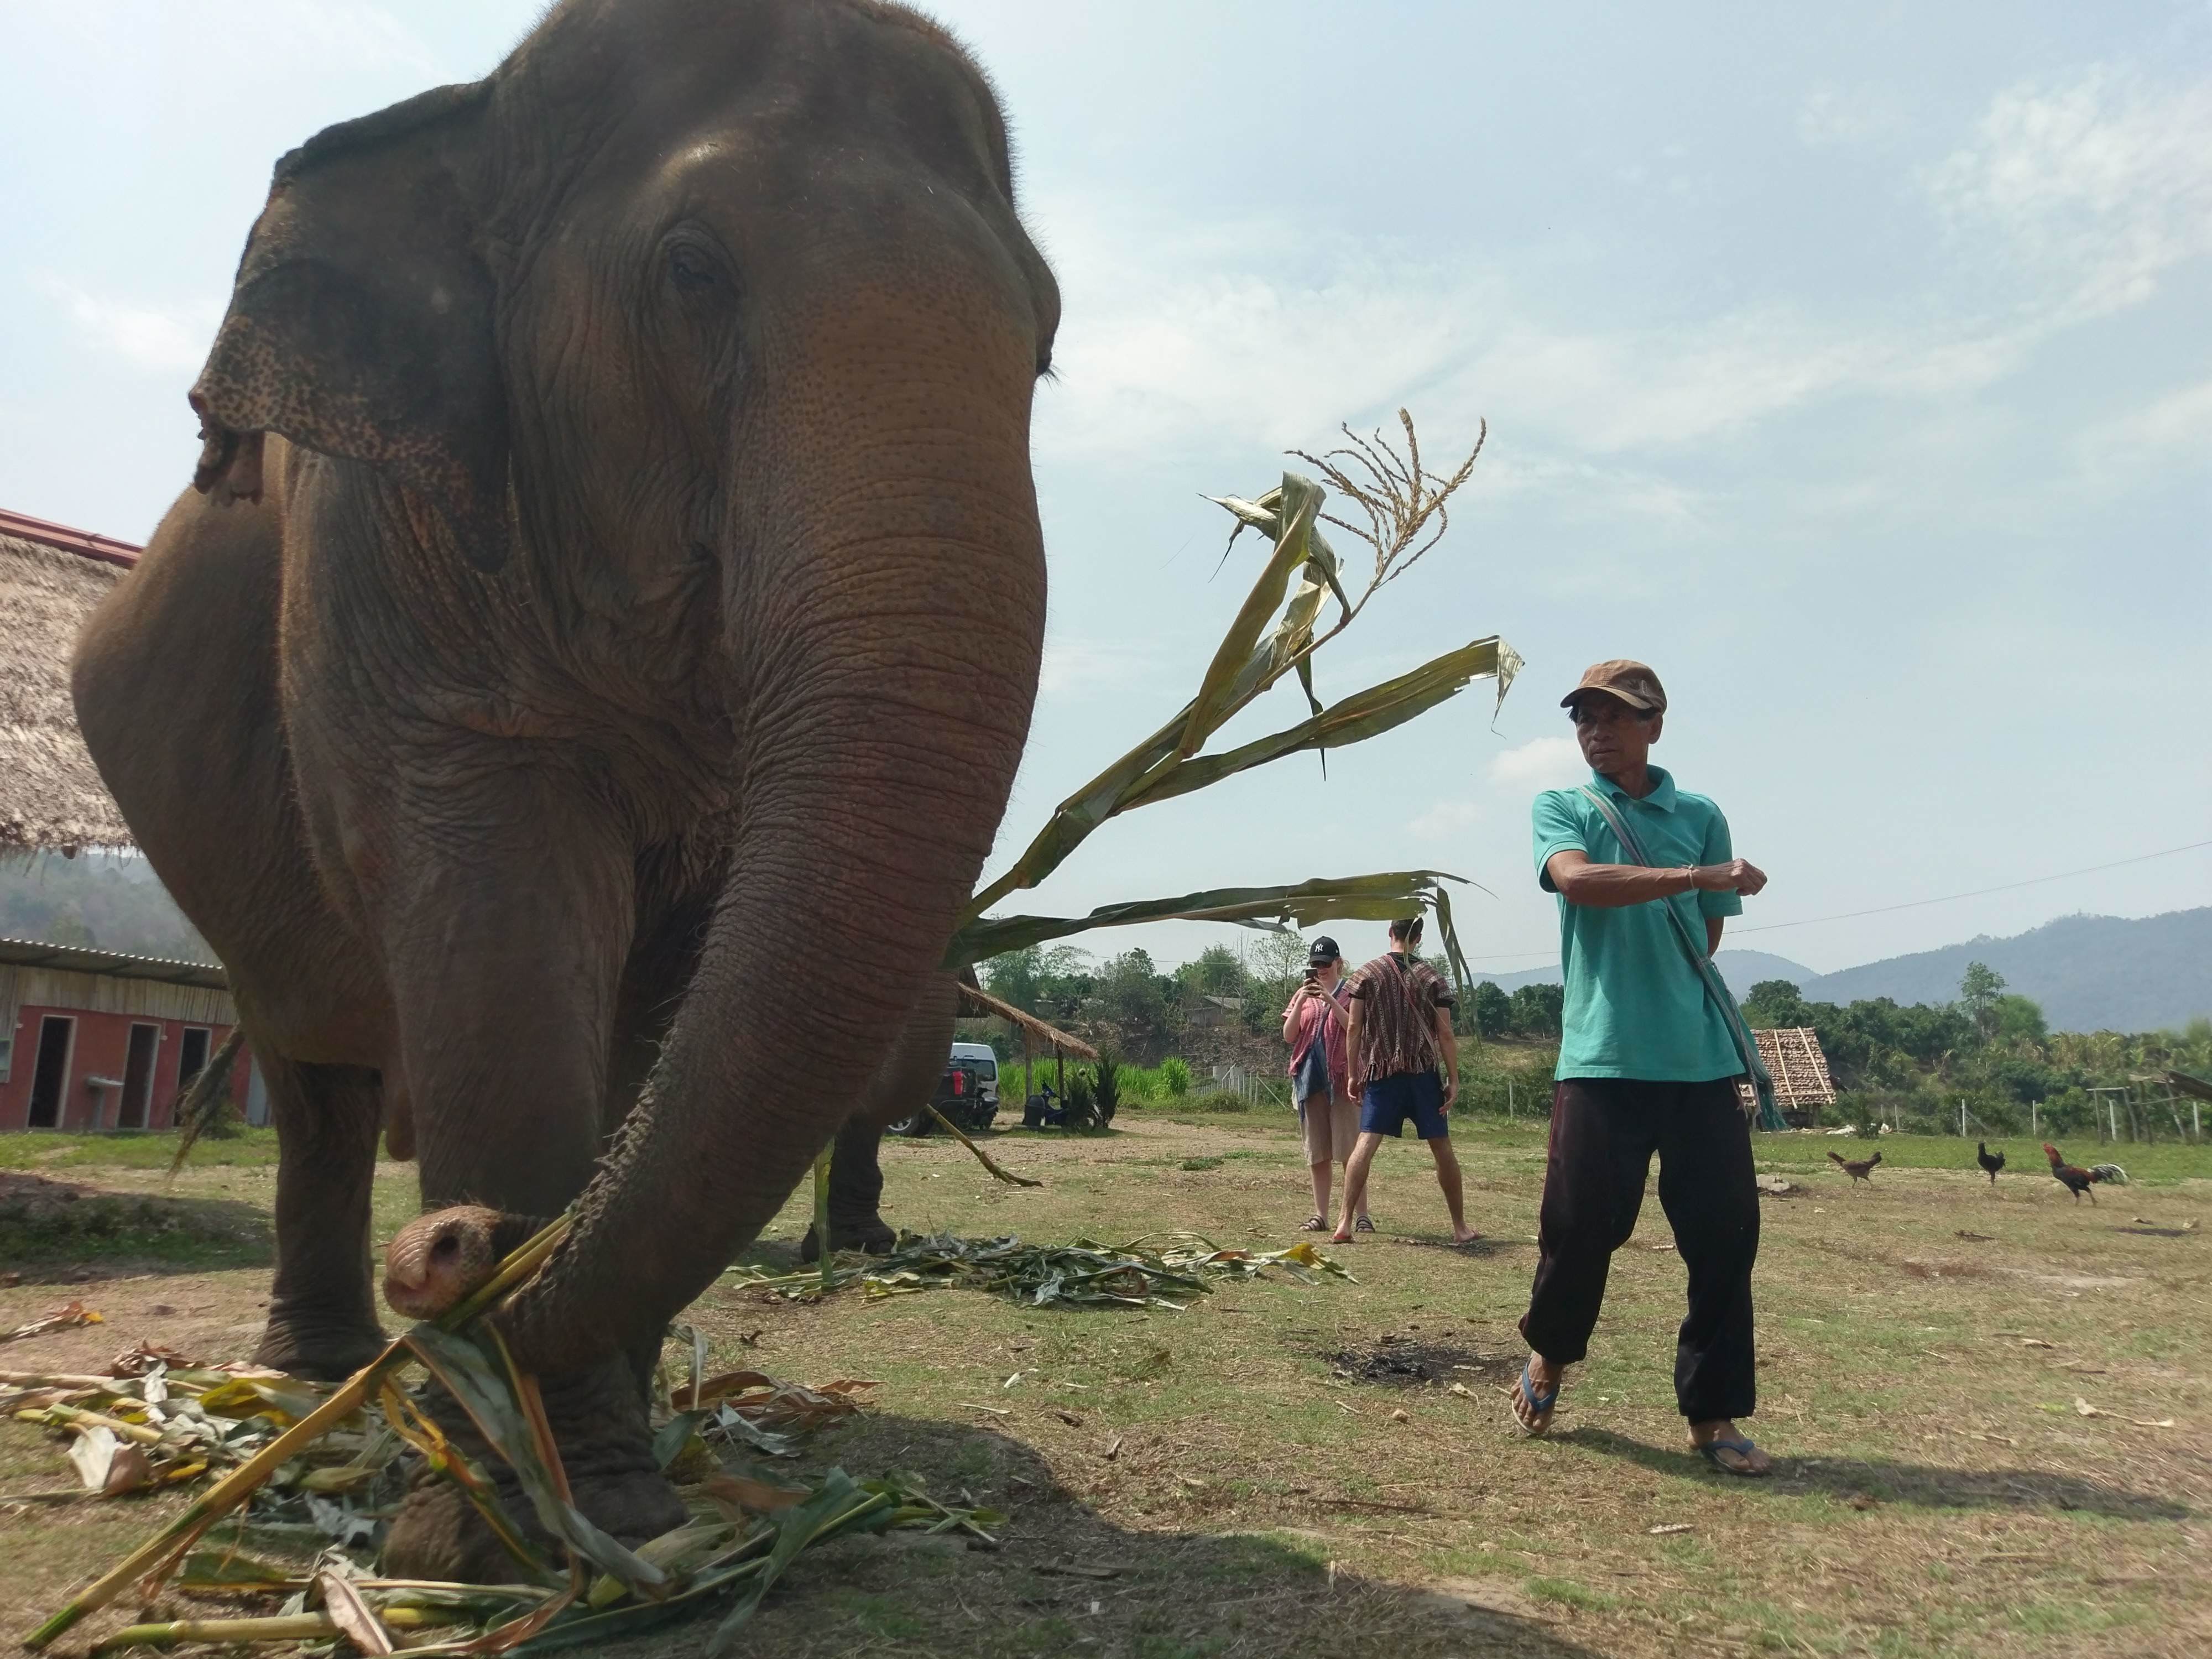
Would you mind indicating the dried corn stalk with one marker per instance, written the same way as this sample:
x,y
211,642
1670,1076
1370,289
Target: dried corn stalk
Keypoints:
x,y
1405,512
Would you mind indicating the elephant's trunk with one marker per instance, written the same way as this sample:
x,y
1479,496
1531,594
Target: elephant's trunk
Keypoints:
x,y
886,609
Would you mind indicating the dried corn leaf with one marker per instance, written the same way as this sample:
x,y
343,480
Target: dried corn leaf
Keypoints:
x,y
91,1455
1148,1272
68,1316
1353,719
351,1615
282,1400
754,1497
468,1374
1378,897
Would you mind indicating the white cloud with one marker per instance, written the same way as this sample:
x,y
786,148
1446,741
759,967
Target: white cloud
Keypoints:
x,y
2100,188
2064,205
2174,428
1080,664
164,339
1541,763
1832,117
1446,819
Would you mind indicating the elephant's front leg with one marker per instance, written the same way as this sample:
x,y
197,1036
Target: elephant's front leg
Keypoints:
x,y
504,952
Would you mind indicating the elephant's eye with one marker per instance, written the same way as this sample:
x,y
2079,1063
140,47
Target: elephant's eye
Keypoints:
x,y
691,268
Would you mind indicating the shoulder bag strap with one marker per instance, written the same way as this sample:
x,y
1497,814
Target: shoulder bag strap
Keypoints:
x,y
1716,990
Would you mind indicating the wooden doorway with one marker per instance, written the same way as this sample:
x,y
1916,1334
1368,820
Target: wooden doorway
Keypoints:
x,y
50,1080
138,1077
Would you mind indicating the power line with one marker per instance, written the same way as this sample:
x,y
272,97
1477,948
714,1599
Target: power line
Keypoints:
x,y
1914,904
2004,887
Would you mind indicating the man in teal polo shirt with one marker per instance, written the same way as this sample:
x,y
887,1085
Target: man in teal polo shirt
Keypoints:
x,y
1646,1065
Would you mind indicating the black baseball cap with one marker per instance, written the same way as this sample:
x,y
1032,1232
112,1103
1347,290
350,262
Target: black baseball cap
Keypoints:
x,y
1324,949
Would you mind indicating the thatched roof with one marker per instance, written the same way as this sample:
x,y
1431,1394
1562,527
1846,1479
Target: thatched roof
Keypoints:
x,y
982,1002
51,577
1798,1067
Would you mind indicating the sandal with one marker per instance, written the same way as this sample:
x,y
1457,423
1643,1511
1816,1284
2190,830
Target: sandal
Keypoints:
x,y
1366,1224
1711,1450
1312,1223
1540,1405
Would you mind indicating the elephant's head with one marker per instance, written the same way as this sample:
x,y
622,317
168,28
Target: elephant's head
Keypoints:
x,y
705,331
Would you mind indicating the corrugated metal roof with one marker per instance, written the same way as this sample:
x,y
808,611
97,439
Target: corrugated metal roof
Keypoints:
x,y
82,959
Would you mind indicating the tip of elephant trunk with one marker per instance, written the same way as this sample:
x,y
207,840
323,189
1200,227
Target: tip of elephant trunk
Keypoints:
x,y
436,1261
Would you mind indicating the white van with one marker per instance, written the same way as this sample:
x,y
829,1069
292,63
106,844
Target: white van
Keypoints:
x,y
967,1093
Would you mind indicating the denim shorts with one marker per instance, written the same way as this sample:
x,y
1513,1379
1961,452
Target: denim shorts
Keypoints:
x,y
1388,1102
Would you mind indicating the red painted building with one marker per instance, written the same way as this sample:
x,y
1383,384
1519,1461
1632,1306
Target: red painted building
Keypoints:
x,y
98,1040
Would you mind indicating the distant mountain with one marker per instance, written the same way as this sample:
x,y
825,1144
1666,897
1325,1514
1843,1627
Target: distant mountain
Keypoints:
x,y
113,903
1742,969
2088,973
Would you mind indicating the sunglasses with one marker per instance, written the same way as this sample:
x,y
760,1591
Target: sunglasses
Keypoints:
x,y
1610,714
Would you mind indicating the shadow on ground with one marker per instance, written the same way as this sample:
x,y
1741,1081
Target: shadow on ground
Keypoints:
x,y
1065,1580
58,1231
1922,1485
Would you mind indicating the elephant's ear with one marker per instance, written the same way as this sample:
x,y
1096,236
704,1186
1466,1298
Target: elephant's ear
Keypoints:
x,y
360,324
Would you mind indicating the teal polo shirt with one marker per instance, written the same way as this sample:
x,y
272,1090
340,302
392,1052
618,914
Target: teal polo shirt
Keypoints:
x,y
1636,1006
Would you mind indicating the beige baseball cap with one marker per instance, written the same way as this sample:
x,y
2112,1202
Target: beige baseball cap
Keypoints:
x,y
1633,682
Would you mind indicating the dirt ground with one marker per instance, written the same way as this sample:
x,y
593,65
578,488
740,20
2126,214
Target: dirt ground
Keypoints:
x,y
1294,1469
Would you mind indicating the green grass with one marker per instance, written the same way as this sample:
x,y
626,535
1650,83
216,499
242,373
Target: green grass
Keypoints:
x,y
1939,1494
131,1149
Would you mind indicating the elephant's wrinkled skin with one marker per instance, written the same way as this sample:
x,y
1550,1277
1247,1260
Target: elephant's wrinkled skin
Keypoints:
x,y
617,546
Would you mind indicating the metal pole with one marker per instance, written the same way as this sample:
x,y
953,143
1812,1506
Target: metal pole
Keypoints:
x,y
1509,1099
1962,1117
2034,1129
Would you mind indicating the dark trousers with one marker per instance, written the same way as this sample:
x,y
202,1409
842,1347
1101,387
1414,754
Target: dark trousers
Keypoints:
x,y
1604,1131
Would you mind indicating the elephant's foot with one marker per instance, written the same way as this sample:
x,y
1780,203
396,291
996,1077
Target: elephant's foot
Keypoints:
x,y
319,1348
870,1233
598,1418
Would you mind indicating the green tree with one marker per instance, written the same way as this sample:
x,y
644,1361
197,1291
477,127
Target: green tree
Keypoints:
x,y
2018,1019
1536,1010
1216,971
1016,976
1131,993
1979,991
1492,1009
1775,1004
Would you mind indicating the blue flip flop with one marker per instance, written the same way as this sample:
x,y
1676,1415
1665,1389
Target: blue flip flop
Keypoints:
x,y
1711,1452
1538,1404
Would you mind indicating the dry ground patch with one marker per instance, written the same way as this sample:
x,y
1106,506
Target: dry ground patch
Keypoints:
x,y
1228,1480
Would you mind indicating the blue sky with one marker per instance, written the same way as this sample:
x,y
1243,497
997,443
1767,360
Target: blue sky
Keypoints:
x,y
1853,367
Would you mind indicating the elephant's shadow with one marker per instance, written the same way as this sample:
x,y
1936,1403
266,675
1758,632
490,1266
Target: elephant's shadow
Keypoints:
x,y
1066,1580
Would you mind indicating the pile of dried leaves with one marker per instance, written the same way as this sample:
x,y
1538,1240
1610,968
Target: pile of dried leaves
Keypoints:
x,y
297,1464
1144,1273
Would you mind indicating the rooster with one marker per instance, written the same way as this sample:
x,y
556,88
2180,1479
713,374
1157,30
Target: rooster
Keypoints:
x,y
2076,1180
1989,1160
1858,1169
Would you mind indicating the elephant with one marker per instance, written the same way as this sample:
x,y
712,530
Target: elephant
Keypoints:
x,y
613,540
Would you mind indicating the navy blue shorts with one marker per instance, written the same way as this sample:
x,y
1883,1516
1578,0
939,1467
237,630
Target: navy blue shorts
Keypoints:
x,y
1386,1103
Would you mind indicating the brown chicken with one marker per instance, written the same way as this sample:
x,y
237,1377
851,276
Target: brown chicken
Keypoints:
x,y
1858,1169
2076,1180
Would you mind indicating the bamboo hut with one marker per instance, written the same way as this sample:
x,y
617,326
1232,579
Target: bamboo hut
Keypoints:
x,y
50,795
1031,1030
1800,1070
